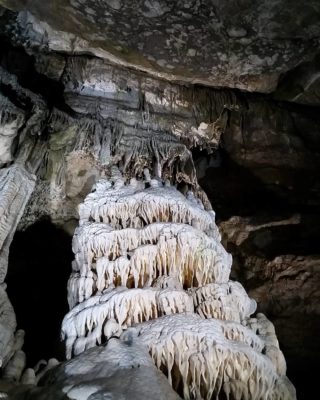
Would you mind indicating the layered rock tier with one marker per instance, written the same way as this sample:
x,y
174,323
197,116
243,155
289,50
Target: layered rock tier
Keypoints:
x,y
149,263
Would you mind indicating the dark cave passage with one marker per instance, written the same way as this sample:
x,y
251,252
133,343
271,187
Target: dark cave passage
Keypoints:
x,y
39,267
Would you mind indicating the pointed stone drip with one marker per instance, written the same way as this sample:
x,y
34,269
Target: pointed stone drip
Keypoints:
x,y
149,261
227,301
133,206
135,257
107,314
16,186
130,235
208,358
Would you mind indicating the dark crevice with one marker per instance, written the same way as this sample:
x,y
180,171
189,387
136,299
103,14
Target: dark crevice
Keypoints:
x,y
234,190
300,239
39,267
16,61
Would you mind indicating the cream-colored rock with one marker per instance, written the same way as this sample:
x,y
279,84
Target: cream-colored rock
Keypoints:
x,y
149,263
210,357
124,307
227,301
122,370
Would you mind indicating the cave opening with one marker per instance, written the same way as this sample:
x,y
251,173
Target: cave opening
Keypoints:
x,y
39,267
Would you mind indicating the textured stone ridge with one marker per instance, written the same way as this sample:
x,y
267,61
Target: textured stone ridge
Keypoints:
x,y
243,45
120,370
149,264
16,186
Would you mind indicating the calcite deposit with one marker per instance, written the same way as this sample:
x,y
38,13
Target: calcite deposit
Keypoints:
x,y
148,260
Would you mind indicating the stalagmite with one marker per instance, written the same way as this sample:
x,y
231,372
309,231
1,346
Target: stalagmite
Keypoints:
x,y
15,367
94,100
149,264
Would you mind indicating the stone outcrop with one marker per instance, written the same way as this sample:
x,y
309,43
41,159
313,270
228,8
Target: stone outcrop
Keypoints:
x,y
120,370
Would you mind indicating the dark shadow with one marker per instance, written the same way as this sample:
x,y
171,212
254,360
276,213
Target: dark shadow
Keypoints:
x,y
235,190
232,189
39,267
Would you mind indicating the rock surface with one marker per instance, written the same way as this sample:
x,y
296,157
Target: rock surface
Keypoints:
x,y
120,370
239,44
276,257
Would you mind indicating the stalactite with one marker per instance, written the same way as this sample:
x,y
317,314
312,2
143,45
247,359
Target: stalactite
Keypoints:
x,y
212,356
90,320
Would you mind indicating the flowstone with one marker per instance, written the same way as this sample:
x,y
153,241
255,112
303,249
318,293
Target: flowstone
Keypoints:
x,y
149,263
120,370
16,185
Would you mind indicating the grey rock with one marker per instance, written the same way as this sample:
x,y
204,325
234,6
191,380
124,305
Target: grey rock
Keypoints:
x,y
243,45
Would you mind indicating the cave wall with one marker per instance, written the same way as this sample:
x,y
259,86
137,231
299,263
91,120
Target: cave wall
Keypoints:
x,y
270,225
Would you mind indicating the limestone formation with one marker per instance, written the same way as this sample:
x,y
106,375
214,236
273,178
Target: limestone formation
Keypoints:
x,y
7,327
149,263
17,182
122,369
16,186
11,119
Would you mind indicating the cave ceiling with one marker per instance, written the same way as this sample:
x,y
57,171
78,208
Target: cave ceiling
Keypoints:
x,y
253,46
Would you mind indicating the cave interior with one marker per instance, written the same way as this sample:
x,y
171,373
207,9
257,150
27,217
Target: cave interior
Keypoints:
x,y
237,125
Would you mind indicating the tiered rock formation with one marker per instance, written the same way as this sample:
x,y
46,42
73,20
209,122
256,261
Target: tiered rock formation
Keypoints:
x,y
149,258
